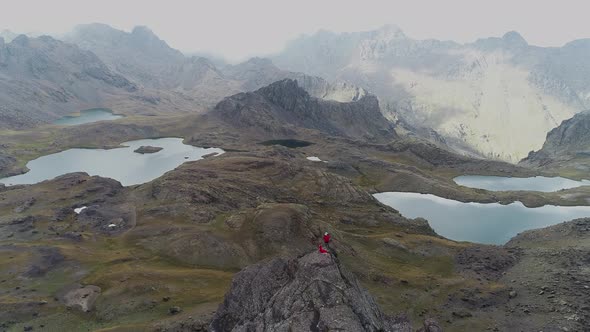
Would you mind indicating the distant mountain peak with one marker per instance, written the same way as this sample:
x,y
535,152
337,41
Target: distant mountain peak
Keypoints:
x,y
514,38
287,93
259,61
391,31
144,31
95,26
21,40
7,35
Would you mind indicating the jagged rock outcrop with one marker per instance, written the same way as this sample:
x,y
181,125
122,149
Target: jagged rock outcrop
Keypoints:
x,y
309,293
280,107
570,140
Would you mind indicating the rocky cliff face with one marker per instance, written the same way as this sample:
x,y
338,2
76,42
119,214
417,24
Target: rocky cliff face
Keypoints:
x,y
572,136
497,96
310,293
280,107
567,145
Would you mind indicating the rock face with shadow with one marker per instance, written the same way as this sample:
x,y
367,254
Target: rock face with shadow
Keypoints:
x,y
566,146
280,108
309,293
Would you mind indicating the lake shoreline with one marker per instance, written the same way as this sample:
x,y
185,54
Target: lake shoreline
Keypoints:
x,y
492,223
96,162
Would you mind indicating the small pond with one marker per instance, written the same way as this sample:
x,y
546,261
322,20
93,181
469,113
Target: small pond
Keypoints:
x,y
290,143
87,116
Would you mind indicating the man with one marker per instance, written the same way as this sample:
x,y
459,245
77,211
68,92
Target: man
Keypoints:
x,y
322,250
327,238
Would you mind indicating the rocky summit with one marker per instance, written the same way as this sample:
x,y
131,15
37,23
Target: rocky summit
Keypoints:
x,y
282,106
309,293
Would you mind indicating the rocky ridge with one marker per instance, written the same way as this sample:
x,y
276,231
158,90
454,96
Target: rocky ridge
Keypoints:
x,y
281,107
313,292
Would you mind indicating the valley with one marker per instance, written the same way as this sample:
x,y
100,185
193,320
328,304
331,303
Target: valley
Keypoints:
x,y
177,240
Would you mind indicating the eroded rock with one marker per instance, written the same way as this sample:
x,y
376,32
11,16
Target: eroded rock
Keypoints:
x,y
313,292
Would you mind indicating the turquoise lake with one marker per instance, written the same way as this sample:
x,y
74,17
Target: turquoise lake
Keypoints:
x,y
121,164
490,223
537,183
87,116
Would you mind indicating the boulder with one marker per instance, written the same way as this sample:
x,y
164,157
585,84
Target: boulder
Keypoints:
x,y
82,298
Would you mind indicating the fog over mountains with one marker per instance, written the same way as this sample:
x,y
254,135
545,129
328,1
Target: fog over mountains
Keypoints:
x,y
496,97
136,72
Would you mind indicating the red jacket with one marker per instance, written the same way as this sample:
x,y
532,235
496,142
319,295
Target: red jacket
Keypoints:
x,y
322,250
327,238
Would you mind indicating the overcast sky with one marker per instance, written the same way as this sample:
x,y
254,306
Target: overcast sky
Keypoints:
x,y
240,28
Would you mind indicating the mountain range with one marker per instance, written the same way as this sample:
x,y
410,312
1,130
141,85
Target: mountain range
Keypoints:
x,y
497,97
302,156
135,72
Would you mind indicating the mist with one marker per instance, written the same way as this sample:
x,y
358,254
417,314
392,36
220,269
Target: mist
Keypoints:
x,y
239,29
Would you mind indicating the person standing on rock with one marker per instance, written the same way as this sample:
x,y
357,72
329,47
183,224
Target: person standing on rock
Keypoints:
x,y
327,238
322,250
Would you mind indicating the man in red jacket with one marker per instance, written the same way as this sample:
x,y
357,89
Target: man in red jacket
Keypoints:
x,y
327,238
322,250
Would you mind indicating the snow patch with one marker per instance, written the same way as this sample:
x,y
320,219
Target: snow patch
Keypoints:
x,y
80,209
313,158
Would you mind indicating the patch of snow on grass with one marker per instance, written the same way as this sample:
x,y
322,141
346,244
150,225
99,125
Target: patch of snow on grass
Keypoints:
x,y
80,209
